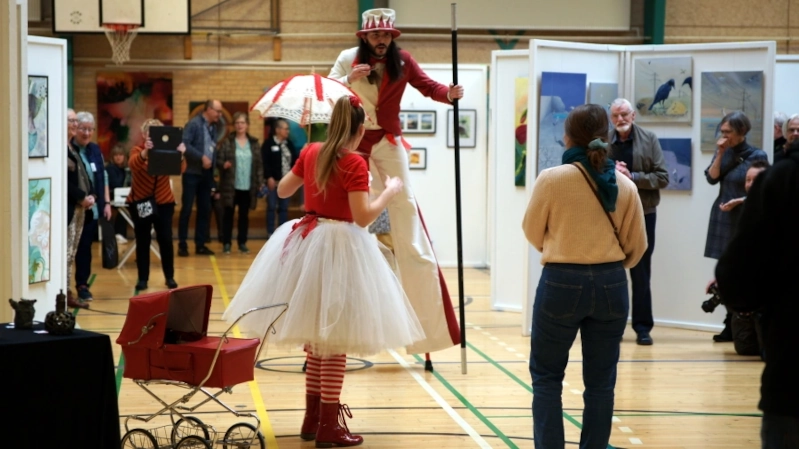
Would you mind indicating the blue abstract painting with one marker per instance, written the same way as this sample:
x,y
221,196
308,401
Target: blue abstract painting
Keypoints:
x,y
560,93
677,153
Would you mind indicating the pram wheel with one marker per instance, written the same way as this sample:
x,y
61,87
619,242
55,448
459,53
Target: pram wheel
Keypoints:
x,y
243,435
193,442
188,427
139,439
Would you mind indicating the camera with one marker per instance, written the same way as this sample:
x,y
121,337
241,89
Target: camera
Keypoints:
x,y
710,305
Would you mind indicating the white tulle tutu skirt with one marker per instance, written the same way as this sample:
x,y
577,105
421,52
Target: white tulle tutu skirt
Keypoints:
x,y
343,296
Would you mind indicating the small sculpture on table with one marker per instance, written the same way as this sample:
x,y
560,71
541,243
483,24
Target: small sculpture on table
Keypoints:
x,y
23,313
60,321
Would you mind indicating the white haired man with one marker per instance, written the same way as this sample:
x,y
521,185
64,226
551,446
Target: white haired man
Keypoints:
x,y
638,156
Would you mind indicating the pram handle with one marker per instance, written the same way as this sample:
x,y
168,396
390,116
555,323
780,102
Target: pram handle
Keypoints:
x,y
263,339
147,328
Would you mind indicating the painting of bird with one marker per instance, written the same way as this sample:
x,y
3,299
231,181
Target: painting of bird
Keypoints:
x,y
662,93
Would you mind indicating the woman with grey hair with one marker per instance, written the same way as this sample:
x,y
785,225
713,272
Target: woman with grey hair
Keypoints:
x,y
728,168
78,200
91,158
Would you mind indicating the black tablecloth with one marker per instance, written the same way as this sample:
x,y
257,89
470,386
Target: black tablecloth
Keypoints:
x,y
60,390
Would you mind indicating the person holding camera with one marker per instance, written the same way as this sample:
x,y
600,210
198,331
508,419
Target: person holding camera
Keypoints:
x,y
144,186
756,273
728,168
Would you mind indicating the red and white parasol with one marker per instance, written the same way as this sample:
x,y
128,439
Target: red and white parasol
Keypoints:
x,y
304,99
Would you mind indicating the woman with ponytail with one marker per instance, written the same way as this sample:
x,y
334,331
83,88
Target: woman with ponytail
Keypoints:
x,y
588,223
343,296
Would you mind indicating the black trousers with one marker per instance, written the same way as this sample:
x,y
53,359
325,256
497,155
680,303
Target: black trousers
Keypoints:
x,y
241,199
162,223
83,255
641,275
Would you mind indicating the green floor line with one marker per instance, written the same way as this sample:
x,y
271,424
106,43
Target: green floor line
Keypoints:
x,y
526,385
471,407
120,370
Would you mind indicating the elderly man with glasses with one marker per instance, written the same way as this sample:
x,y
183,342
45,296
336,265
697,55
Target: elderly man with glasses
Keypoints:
x,y
199,136
92,159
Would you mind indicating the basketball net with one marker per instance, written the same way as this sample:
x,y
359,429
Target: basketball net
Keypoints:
x,y
120,36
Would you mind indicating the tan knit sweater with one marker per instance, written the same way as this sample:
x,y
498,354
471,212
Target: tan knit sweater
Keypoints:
x,y
566,222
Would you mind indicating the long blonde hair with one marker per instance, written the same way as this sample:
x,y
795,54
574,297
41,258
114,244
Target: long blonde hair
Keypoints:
x,y
348,116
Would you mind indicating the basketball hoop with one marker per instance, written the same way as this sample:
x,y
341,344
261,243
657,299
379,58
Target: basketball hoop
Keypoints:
x,y
120,36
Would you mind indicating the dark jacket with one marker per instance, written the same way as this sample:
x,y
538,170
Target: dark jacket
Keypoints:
x,y
75,195
757,271
227,177
271,155
117,177
95,156
649,167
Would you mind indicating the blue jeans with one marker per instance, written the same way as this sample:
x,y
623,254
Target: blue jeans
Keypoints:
x,y
779,432
282,205
592,299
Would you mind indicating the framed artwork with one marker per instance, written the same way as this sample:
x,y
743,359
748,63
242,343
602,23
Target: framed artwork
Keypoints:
x,y
467,128
418,122
560,93
603,94
417,158
725,92
677,153
663,89
37,116
520,131
39,191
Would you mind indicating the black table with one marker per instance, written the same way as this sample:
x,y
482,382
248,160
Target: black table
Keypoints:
x,y
60,391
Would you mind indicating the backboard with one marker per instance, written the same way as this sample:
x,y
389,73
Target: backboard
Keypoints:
x,y
152,16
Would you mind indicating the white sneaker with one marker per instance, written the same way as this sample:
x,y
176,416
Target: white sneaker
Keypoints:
x,y
121,239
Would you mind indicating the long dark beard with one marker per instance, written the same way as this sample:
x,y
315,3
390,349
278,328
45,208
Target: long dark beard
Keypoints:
x,y
392,59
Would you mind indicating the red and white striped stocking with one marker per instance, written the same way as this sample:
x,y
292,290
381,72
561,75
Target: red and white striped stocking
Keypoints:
x,y
332,377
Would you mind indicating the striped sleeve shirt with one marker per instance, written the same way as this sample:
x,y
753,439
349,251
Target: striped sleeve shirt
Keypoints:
x,y
142,185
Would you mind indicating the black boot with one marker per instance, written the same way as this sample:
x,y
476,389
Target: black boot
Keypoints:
x,y
726,334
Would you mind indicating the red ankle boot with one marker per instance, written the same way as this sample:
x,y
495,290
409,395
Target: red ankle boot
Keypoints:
x,y
333,429
311,421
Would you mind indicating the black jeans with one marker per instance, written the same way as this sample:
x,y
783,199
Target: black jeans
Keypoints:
x,y
162,222
83,255
640,276
241,199
198,186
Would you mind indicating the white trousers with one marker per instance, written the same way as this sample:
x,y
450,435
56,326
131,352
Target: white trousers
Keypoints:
x,y
416,264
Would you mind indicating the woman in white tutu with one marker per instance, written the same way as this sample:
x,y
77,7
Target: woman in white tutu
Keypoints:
x,y
343,296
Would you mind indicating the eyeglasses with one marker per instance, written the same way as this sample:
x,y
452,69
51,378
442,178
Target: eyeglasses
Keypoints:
x,y
86,130
72,120
218,111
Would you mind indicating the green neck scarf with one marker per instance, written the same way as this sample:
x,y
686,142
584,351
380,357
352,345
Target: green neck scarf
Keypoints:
x,y
605,181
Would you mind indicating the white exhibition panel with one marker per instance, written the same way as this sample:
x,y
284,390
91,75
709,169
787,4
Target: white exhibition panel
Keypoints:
x,y
601,64
507,202
48,57
434,187
679,270
786,74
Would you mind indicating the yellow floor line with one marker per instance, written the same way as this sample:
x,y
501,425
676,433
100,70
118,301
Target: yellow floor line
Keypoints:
x,y
266,424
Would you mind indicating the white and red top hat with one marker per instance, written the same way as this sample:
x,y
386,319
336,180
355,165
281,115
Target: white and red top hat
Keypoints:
x,y
379,19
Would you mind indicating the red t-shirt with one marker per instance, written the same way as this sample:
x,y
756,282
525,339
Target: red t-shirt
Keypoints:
x,y
352,176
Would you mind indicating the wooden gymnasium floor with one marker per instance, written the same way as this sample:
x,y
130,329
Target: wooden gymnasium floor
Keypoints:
x,y
683,392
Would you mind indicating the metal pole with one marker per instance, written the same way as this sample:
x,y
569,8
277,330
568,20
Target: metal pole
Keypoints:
x,y
456,130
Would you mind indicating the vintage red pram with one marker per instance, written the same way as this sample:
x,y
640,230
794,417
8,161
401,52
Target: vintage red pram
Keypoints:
x,y
165,342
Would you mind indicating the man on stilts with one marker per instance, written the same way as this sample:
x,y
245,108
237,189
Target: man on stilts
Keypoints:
x,y
378,71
